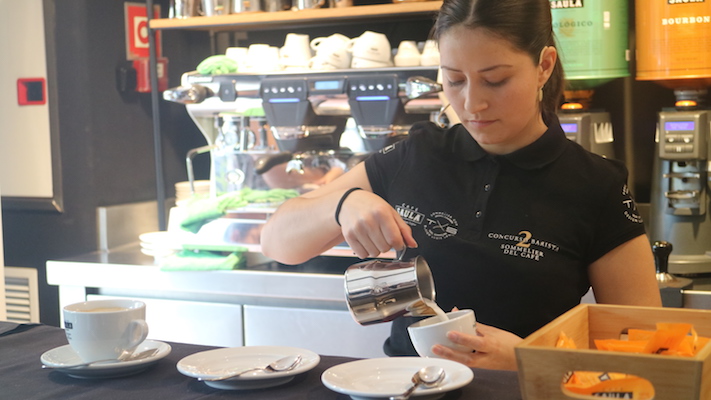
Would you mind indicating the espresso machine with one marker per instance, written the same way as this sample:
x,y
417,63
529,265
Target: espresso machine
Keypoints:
x,y
283,130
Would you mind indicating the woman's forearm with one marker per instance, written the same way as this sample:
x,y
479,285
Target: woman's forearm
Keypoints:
x,y
305,227
301,229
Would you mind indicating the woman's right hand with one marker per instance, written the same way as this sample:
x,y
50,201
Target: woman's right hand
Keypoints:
x,y
371,226
304,227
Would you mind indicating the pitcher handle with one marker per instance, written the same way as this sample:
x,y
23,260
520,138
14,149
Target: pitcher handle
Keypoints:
x,y
399,254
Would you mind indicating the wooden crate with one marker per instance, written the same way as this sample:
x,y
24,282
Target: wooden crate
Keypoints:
x,y
542,366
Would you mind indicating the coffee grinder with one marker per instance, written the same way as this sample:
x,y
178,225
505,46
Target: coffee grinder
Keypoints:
x,y
673,42
588,127
593,48
680,188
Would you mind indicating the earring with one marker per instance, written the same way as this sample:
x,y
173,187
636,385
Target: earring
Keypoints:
x,y
440,118
540,94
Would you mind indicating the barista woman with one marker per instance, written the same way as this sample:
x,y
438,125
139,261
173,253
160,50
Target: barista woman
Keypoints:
x,y
515,221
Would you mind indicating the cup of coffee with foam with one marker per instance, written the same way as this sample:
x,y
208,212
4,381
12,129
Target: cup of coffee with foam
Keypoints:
x,y
105,329
433,330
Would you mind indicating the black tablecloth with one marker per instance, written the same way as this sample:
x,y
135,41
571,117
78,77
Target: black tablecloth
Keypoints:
x,y
22,376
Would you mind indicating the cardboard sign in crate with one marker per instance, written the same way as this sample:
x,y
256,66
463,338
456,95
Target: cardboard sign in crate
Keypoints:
x,y
542,366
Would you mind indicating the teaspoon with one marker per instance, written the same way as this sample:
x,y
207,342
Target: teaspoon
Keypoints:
x,y
428,377
283,364
123,358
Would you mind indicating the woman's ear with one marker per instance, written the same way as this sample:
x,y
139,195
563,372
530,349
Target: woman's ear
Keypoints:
x,y
546,64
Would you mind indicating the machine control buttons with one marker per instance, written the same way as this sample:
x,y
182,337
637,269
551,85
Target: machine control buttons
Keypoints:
x,y
679,148
679,138
275,88
385,85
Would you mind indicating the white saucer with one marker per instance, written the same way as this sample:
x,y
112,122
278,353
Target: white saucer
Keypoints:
x,y
213,363
377,378
63,356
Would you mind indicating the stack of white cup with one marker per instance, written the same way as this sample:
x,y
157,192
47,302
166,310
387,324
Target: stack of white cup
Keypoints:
x,y
263,58
370,50
239,55
331,53
296,52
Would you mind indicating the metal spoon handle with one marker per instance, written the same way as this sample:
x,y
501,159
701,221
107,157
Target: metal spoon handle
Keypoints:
x,y
139,356
405,395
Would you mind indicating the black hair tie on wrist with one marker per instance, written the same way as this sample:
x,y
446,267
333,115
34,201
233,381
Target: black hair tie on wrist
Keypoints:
x,y
340,202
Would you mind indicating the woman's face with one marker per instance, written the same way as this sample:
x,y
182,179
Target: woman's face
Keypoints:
x,y
493,88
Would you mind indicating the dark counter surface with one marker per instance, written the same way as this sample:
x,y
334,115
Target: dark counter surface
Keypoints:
x,y
22,377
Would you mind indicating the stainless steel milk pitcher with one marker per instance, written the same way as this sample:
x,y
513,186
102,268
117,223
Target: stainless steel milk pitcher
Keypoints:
x,y
382,290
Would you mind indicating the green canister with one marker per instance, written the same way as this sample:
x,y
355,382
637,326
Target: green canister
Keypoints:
x,y
592,40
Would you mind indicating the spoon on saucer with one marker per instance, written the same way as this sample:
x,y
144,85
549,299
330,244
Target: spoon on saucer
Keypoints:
x,y
283,364
133,357
428,377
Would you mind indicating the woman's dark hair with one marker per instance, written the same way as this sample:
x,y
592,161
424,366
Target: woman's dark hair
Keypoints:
x,y
524,23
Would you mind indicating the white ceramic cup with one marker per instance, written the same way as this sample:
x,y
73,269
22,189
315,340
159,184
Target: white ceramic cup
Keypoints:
x,y
372,46
359,63
332,50
430,331
239,55
408,55
105,329
430,54
321,63
408,47
263,58
336,40
296,50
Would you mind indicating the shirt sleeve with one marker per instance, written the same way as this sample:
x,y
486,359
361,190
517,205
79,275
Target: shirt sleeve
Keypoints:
x,y
384,167
619,220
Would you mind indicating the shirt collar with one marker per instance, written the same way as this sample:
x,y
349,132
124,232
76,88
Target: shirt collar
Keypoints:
x,y
543,151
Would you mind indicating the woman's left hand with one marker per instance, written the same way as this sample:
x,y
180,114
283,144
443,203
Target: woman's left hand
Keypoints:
x,y
492,348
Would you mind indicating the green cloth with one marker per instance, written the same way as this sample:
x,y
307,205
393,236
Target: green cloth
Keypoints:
x,y
254,112
188,260
204,209
217,65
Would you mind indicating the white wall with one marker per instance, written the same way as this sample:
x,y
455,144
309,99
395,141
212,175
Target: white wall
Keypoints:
x,y
25,146
3,315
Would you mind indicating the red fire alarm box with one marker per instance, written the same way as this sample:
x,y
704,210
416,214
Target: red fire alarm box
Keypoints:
x,y
143,74
31,91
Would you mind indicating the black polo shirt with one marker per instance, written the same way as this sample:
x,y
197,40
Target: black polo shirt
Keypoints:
x,y
508,236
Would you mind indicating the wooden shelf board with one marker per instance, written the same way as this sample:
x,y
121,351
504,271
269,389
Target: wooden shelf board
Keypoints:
x,y
302,17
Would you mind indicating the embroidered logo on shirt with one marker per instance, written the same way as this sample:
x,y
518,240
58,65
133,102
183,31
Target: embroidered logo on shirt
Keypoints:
x,y
523,245
440,225
410,214
630,207
387,149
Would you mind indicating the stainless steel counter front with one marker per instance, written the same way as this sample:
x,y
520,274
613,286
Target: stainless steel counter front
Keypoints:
x,y
126,271
303,302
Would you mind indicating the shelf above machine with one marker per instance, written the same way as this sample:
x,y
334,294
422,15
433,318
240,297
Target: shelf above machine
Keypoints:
x,y
318,16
